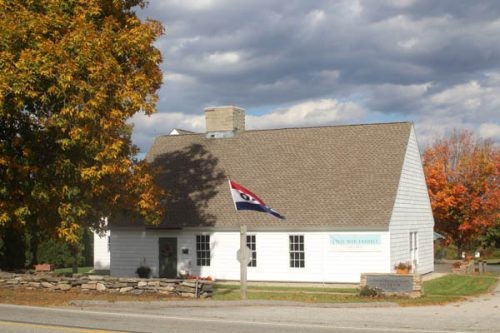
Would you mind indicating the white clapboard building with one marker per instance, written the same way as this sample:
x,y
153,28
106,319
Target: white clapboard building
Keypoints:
x,y
354,198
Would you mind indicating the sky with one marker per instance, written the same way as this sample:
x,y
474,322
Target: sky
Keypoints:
x,y
298,63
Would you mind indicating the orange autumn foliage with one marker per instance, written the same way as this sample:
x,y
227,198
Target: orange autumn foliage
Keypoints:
x,y
71,75
462,175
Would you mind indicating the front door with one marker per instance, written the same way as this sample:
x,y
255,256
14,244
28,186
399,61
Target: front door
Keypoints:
x,y
168,257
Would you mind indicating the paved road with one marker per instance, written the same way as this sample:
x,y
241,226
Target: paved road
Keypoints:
x,y
475,315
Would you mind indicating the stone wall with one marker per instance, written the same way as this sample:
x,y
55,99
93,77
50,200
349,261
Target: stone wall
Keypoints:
x,y
100,283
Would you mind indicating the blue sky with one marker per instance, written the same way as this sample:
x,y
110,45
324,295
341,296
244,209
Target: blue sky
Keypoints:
x,y
308,63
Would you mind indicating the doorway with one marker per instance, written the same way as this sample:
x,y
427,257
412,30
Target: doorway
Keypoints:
x,y
167,247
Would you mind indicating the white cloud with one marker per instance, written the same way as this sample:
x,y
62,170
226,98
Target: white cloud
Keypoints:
x,y
458,94
473,101
490,131
193,4
315,17
222,58
408,44
309,113
353,8
177,78
177,45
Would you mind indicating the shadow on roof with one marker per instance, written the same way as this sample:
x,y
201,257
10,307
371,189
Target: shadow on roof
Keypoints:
x,y
190,176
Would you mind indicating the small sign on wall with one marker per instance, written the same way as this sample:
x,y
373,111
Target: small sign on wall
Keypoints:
x,y
355,242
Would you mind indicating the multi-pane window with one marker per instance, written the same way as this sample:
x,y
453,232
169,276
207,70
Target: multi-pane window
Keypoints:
x,y
253,254
203,250
297,258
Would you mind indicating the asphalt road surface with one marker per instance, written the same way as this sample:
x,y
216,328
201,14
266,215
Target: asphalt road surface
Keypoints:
x,y
480,314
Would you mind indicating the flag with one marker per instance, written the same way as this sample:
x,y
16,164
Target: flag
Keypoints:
x,y
244,199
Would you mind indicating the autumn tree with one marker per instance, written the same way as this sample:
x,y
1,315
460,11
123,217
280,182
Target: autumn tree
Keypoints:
x,y
462,174
72,72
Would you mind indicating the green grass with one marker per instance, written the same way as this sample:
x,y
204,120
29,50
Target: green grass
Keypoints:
x,y
264,288
493,261
459,285
284,293
446,289
81,270
294,297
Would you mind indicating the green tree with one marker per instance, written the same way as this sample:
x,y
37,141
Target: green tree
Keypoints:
x,y
72,72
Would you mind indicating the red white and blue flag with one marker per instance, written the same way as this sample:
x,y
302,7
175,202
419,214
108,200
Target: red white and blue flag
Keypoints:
x,y
246,200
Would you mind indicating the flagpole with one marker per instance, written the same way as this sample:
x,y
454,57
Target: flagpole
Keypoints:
x,y
243,261
243,249
249,201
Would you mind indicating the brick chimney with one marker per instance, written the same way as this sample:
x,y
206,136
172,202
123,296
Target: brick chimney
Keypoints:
x,y
224,121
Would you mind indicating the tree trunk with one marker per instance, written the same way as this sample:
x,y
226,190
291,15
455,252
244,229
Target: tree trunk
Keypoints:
x,y
34,242
74,252
460,249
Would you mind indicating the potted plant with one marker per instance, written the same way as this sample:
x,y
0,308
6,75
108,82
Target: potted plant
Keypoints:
x,y
144,272
402,268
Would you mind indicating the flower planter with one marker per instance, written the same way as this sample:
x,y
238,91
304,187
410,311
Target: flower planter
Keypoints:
x,y
43,268
403,268
402,271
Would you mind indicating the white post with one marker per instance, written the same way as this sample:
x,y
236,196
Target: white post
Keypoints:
x,y
243,262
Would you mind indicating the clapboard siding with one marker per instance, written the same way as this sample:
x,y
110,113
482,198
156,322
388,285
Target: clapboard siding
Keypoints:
x,y
412,212
130,248
101,251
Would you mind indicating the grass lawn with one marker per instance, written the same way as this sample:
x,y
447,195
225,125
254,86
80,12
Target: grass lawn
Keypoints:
x,y
81,270
265,288
459,285
439,291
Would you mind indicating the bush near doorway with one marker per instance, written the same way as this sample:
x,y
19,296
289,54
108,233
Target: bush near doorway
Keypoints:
x,y
143,272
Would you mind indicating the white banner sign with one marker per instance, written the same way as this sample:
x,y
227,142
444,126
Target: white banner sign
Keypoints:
x,y
355,242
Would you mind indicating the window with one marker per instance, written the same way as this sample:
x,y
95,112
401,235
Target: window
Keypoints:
x,y
252,246
297,251
203,250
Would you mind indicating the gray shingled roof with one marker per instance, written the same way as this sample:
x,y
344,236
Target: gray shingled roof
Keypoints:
x,y
322,178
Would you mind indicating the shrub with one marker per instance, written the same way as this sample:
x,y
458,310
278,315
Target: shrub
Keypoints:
x,y
368,291
446,252
439,253
143,272
54,252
